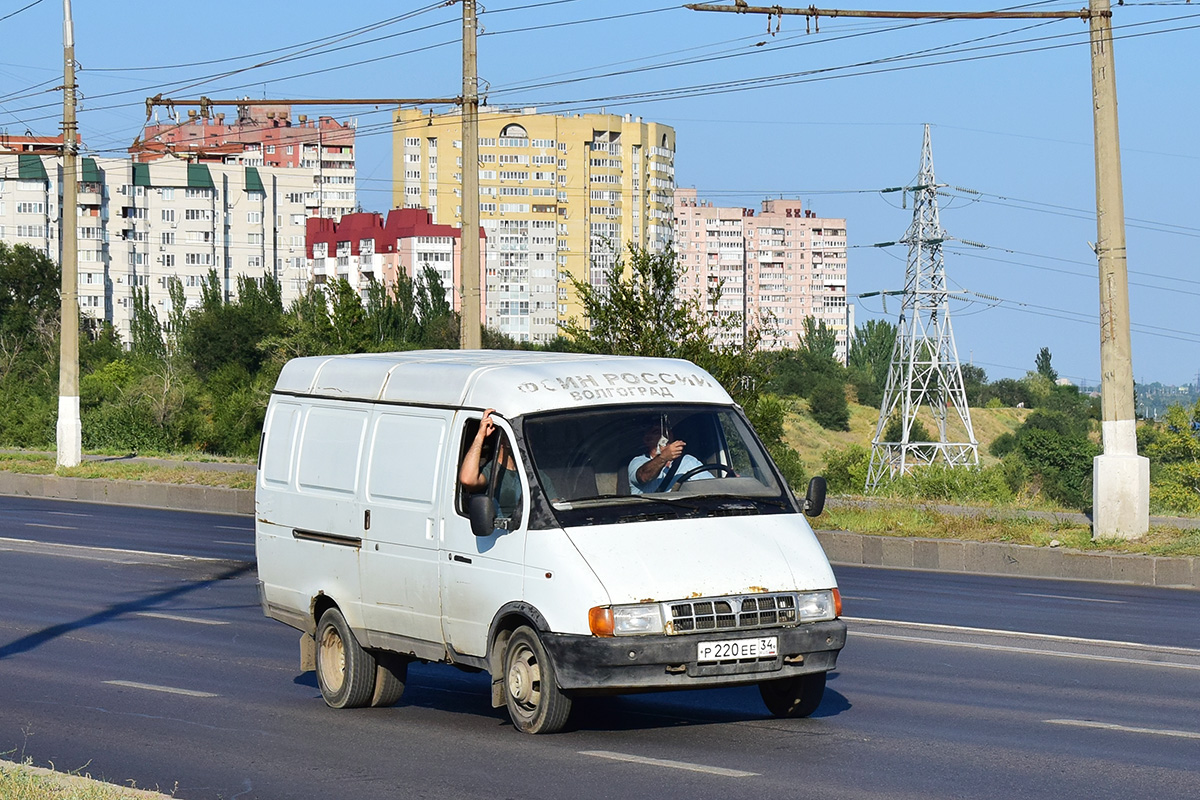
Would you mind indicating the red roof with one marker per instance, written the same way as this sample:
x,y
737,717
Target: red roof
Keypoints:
x,y
402,223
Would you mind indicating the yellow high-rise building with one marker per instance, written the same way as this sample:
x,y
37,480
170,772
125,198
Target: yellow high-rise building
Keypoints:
x,y
558,196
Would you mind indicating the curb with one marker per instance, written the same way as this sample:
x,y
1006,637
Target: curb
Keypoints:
x,y
850,549
178,497
1018,560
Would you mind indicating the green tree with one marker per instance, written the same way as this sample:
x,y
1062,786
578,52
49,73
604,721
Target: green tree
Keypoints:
x,y
974,381
870,358
1043,365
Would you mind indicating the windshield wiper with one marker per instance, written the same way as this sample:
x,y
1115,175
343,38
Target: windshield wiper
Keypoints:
x,y
586,502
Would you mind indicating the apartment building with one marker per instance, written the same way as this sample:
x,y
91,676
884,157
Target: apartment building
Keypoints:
x,y
782,263
559,196
364,247
266,136
141,223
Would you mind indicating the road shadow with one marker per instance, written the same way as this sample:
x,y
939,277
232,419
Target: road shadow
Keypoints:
x,y
37,639
441,688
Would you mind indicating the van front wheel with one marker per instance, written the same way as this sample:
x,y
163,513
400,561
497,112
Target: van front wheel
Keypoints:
x,y
345,672
793,697
534,700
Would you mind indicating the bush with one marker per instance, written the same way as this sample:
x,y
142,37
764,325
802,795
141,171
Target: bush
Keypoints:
x,y
846,470
828,406
960,484
1002,445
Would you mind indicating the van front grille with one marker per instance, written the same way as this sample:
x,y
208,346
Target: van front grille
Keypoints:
x,y
733,613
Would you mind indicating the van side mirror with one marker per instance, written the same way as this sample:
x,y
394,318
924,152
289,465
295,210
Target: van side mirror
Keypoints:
x,y
814,500
482,512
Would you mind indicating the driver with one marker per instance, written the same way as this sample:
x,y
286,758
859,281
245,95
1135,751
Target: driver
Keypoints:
x,y
650,472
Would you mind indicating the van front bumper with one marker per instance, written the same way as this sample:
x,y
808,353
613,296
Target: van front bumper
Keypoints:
x,y
640,663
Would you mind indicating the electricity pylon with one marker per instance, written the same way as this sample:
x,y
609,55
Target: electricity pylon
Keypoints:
x,y
924,371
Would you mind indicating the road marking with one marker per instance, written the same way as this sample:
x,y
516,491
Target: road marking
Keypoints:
x,y
1048,637
98,553
68,514
1143,662
862,599
178,618
1068,597
238,544
150,687
47,525
662,762
234,528
1109,726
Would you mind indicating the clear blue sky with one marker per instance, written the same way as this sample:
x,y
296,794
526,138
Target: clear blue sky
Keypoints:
x,y
829,116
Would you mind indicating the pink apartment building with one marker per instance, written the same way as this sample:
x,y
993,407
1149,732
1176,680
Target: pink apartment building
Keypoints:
x,y
782,265
363,247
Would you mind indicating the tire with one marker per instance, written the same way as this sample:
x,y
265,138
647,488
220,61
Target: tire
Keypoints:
x,y
535,703
391,674
793,697
345,672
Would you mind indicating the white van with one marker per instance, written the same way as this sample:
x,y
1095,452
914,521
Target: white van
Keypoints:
x,y
575,567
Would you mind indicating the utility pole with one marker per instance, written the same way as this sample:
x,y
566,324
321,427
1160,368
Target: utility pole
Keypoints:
x,y
469,335
1120,478
69,430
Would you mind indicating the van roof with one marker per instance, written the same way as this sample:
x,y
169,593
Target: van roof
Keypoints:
x,y
511,381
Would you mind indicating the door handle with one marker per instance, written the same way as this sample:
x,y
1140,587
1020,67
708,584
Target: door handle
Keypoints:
x,y
460,559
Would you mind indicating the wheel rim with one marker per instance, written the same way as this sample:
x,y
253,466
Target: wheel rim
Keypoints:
x,y
332,659
525,681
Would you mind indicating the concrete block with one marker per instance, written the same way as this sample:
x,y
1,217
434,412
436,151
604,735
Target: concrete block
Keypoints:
x,y
1088,566
925,554
840,547
897,552
987,558
245,502
1133,569
1035,562
952,555
1173,572
872,550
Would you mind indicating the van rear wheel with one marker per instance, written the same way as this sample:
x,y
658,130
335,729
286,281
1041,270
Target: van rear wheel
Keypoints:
x,y
345,672
793,697
534,701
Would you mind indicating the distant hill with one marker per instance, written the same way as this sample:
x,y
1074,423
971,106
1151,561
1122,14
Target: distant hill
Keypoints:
x,y
810,440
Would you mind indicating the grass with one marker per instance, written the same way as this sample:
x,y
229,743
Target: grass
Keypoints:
x,y
26,782
174,472
915,519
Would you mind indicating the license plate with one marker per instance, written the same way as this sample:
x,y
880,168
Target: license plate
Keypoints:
x,y
737,649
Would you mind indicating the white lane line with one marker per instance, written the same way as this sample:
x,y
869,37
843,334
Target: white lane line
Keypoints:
x,y
238,544
150,687
1068,597
662,762
47,525
69,514
862,599
96,553
1109,726
1045,637
1142,662
234,528
177,618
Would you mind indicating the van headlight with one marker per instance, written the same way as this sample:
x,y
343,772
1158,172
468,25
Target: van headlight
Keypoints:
x,y
816,606
632,620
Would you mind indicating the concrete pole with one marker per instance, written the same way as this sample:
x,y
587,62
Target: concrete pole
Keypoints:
x,y
1121,478
69,430
469,336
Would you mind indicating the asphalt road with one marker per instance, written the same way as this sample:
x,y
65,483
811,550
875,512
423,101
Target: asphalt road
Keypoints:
x,y
132,647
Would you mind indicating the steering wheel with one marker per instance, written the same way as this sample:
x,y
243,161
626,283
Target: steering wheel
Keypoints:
x,y
680,480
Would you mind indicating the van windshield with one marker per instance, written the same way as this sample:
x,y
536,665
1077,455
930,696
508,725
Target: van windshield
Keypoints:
x,y
623,463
